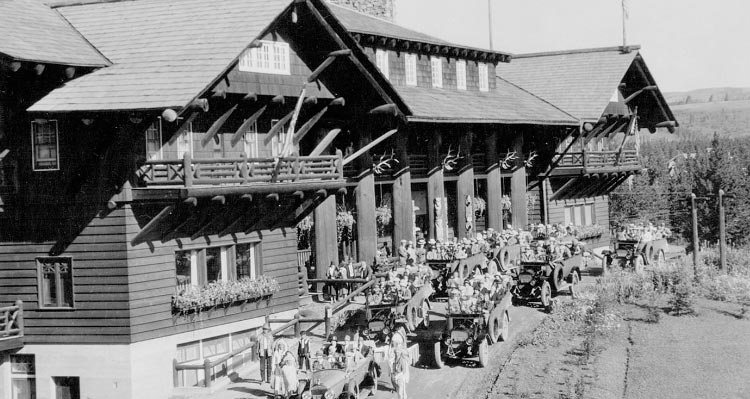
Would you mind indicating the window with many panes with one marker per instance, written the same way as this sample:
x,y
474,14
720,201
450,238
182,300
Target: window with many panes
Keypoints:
x,y
23,377
153,141
410,61
461,74
436,64
45,147
580,215
381,60
250,141
270,57
222,263
55,275
484,79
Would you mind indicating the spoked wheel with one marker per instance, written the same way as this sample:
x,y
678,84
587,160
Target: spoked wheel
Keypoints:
x,y
638,265
661,259
546,294
505,330
493,325
484,353
557,276
438,355
575,278
425,313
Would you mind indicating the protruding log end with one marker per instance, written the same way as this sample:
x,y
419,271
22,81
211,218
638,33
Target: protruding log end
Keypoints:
x,y
192,201
169,115
273,197
199,104
278,100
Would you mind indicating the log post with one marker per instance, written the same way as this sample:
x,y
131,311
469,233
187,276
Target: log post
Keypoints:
x,y
207,373
696,244
364,195
494,182
722,233
437,216
466,223
297,327
518,186
326,248
175,374
403,208
187,169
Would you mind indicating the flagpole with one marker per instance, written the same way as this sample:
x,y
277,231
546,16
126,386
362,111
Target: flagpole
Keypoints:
x,y
489,18
624,16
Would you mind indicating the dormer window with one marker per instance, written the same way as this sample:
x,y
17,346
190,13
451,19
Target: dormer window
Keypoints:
x,y
461,74
381,60
484,79
45,148
411,69
437,71
270,57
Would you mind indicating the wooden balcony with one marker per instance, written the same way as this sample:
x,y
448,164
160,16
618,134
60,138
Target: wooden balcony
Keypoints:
x,y
588,162
226,176
11,327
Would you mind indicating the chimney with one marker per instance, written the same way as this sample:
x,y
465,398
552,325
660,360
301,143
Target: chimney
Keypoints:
x,y
376,8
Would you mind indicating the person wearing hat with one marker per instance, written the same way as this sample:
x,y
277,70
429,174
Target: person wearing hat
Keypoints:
x,y
264,350
421,252
303,351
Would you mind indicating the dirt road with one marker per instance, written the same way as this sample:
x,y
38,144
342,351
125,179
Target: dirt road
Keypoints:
x,y
456,380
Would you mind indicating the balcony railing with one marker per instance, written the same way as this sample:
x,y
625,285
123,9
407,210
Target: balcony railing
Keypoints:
x,y
190,172
11,326
592,160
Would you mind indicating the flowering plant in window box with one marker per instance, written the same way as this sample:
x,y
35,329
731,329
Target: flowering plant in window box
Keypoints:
x,y
194,299
588,232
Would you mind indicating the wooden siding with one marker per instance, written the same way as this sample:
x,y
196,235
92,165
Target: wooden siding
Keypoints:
x,y
601,213
152,277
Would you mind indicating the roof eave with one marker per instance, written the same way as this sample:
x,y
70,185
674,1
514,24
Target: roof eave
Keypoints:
x,y
500,121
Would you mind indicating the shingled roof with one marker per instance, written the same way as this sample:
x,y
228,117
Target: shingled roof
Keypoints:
x,y
33,32
580,82
506,104
164,52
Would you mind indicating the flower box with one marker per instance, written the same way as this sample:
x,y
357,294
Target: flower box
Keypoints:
x,y
220,293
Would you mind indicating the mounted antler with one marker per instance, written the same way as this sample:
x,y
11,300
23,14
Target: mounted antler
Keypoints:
x,y
509,160
384,162
450,160
529,162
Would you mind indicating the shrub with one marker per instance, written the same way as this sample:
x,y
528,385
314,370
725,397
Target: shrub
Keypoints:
x,y
682,300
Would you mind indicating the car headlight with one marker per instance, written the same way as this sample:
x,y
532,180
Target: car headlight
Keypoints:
x,y
306,395
386,331
469,341
328,395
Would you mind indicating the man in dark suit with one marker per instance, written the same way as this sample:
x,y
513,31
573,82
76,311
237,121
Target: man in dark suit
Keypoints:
x,y
303,351
264,349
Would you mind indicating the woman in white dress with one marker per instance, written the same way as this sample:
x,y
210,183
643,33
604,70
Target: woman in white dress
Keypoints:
x,y
289,372
277,379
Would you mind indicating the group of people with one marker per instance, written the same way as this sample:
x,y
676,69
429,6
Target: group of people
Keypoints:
x,y
278,364
643,232
550,249
399,286
347,269
476,293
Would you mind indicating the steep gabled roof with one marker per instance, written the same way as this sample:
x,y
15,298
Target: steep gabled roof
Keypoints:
x,y
31,31
580,82
506,104
164,52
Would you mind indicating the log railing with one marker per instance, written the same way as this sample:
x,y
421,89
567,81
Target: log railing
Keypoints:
x,y
598,159
190,172
11,321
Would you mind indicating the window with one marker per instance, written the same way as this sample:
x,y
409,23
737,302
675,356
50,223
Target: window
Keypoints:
x,y
55,282
437,71
185,142
461,74
187,353
278,141
45,152
271,57
216,346
67,387
225,263
381,60
23,377
410,61
153,141
484,79
580,215
250,141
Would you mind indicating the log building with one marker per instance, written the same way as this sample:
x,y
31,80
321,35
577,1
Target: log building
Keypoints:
x,y
150,146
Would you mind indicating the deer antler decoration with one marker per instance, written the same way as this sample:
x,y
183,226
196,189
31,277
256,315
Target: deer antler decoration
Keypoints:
x,y
509,160
384,162
450,160
528,162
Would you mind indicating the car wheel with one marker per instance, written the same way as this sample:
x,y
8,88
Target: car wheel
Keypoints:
x,y
437,352
575,278
493,327
558,277
505,329
546,294
638,265
484,353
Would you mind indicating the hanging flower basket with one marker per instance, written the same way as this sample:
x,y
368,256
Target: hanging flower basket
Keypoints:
x,y
218,293
304,231
480,206
384,214
505,202
344,224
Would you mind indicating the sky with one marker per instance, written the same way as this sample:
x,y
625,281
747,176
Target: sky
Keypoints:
x,y
687,44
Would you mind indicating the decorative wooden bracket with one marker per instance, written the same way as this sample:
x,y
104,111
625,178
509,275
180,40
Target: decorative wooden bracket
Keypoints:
x,y
367,147
246,125
217,125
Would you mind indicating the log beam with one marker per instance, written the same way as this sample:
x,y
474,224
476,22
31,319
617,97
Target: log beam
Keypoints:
x,y
277,128
240,133
217,125
300,134
327,140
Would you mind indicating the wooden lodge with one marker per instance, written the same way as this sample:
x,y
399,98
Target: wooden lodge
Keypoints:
x,y
138,164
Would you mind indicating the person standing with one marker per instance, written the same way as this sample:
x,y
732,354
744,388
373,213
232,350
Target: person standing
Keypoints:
x,y
264,349
402,253
303,351
421,252
331,286
400,371
277,377
288,365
